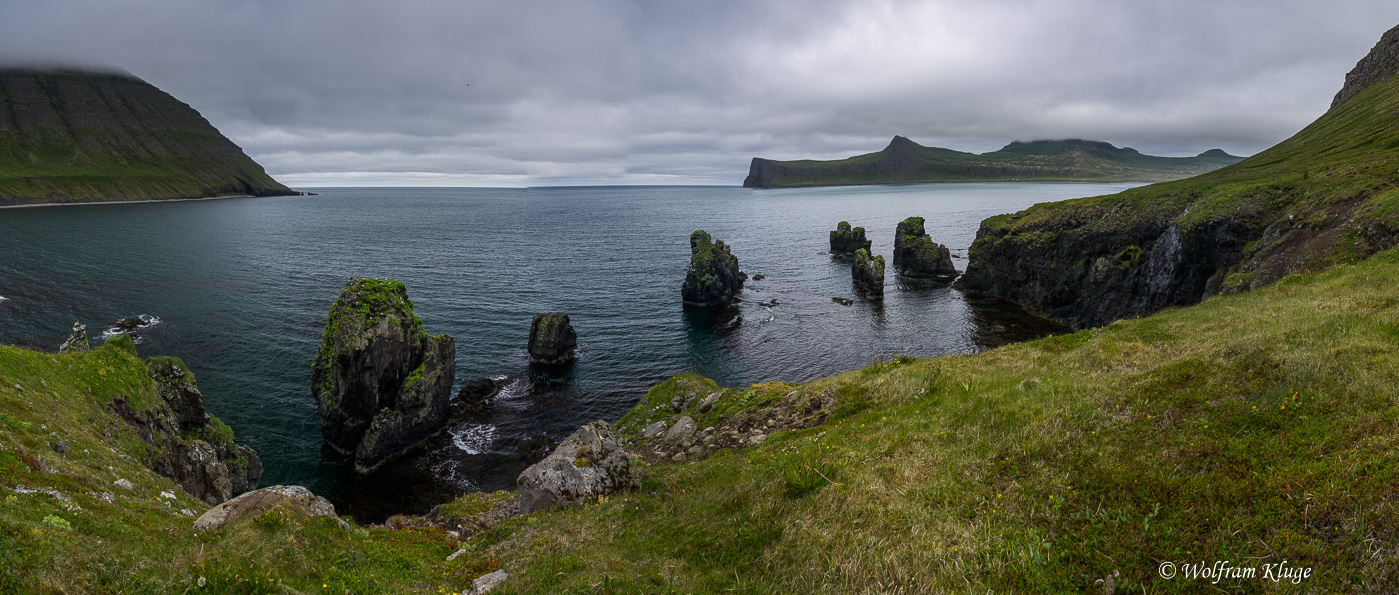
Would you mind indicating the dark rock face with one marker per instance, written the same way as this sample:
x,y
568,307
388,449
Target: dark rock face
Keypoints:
x,y
536,447
868,274
382,387
916,255
845,241
194,449
471,399
713,278
85,136
1379,64
551,339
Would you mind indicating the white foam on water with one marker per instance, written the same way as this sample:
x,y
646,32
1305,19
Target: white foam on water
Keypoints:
x,y
473,439
147,321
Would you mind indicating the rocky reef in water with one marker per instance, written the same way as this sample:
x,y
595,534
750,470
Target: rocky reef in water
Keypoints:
x,y
382,386
72,135
916,255
868,274
846,241
190,446
713,278
1315,200
551,339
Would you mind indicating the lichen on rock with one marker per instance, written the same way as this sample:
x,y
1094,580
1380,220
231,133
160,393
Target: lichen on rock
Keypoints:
x,y
917,255
713,278
587,464
382,386
77,341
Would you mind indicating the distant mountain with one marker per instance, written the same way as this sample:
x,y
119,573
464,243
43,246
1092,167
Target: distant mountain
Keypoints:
x,y
907,162
83,136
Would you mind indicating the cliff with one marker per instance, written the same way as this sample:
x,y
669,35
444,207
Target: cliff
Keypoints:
x,y
1323,197
907,162
82,136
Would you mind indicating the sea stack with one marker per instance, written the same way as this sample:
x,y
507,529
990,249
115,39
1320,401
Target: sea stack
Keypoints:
x,y
845,241
382,386
551,339
713,278
868,274
916,255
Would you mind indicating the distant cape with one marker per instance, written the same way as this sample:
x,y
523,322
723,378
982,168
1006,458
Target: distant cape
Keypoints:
x,y
69,135
907,162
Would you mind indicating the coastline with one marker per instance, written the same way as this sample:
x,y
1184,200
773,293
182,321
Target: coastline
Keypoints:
x,y
127,202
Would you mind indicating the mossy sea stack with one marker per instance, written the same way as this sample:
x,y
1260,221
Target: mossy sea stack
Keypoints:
x,y
70,135
916,255
551,339
868,274
845,241
713,278
382,386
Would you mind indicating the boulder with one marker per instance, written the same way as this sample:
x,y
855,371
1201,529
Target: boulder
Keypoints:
x,y
845,241
382,386
868,274
551,339
683,428
77,341
485,583
916,255
653,430
587,464
471,399
293,498
713,278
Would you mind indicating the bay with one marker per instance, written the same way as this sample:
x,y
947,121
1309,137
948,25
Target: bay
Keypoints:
x,y
239,289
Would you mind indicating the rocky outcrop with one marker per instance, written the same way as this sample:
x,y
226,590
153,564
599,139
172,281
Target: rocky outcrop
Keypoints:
x,y
294,499
471,399
76,341
69,135
587,464
551,339
187,444
845,241
868,274
382,386
713,278
917,255
1381,63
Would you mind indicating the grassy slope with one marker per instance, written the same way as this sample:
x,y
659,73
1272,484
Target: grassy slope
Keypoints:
x,y
1041,161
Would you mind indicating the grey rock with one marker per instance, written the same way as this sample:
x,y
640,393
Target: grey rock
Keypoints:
x,y
485,583
551,339
679,457
683,428
695,451
77,341
124,484
713,278
1379,64
456,554
653,430
295,498
587,464
382,387
708,403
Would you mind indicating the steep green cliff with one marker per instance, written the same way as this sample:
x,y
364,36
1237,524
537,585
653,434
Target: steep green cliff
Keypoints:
x,y
907,162
1325,196
81,136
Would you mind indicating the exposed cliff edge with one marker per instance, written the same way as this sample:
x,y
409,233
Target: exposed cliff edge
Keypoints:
x,y
81,136
1323,197
907,162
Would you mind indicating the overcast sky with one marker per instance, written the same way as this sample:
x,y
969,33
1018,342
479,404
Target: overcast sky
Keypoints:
x,y
453,92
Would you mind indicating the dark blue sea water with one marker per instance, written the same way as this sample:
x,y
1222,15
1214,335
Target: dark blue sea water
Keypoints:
x,y
241,288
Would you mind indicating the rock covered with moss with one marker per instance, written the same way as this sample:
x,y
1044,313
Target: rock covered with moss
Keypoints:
x,y
587,464
713,278
868,274
846,241
189,445
382,386
76,341
295,499
917,255
551,339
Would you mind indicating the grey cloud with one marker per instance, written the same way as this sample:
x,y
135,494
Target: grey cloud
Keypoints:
x,y
437,91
